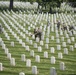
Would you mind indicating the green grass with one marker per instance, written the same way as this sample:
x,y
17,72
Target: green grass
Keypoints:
x,y
44,65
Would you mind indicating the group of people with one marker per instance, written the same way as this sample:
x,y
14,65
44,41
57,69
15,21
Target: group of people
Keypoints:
x,y
38,33
65,27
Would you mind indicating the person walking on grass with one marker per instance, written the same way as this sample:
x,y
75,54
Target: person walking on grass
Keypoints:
x,y
39,31
58,24
35,33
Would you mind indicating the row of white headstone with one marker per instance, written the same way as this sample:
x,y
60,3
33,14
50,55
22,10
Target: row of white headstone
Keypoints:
x,y
52,69
27,48
12,60
20,26
47,40
39,49
34,68
34,71
28,61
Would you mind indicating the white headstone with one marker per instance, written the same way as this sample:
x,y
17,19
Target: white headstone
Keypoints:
x,y
27,48
31,42
72,39
60,55
34,70
21,73
44,32
17,38
12,61
9,55
6,51
3,46
1,67
33,36
64,44
46,46
47,40
35,45
67,36
74,32
71,48
70,33
61,32
45,54
23,44
15,35
74,45
41,43
42,37
28,63
27,39
39,49
52,29
37,39
62,66
24,36
21,33
52,50
0,41
20,41
65,51
62,38
53,71
23,57
53,60
58,47
26,31
57,40
37,58
68,41
29,28
12,44
8,38
32,53
52,37
57,35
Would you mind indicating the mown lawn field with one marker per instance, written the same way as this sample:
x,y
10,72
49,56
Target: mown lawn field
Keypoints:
x,y
23,24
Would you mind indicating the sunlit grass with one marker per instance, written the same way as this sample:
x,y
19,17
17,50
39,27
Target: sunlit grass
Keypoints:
x,y
45,63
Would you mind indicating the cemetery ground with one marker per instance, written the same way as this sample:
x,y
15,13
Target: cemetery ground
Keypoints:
x,y
16,41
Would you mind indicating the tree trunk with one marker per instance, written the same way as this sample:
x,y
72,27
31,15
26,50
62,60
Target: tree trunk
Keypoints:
x,y
11,4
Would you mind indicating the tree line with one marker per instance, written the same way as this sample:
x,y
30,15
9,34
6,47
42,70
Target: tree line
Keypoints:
x,y
51,3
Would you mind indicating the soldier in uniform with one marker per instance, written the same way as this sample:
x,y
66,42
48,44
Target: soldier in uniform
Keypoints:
x,y
71,28
39,31
64,27
35,33
58,24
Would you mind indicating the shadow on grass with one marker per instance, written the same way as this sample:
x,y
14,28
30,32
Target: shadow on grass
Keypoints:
x,y
8,73
11,73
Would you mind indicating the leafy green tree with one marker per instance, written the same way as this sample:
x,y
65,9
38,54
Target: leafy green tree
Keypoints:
x,y
44,3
